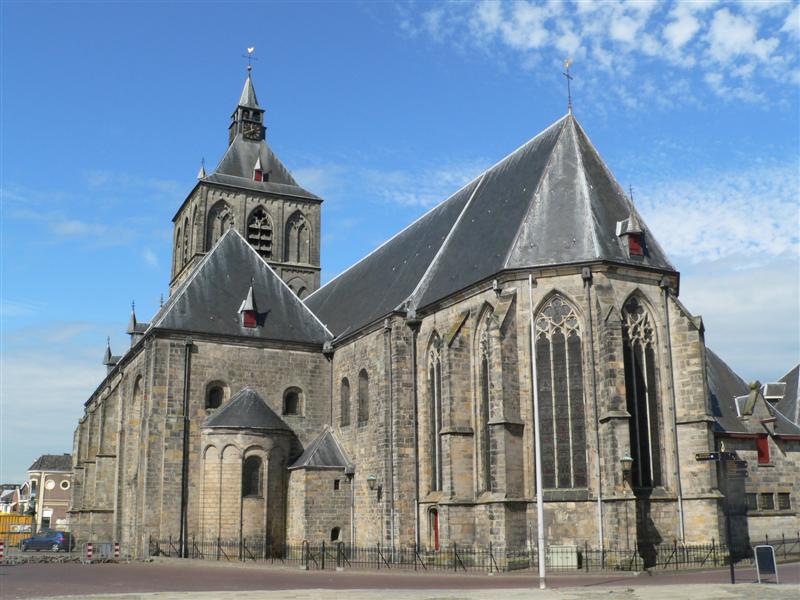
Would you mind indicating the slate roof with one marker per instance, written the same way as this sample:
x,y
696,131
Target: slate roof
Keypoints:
x,y
52,462
237,164
790,404
247,409
552,201
248,97
726,389
723,388
325,452
210,299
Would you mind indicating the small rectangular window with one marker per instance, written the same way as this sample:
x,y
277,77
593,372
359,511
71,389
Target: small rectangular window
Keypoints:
x,y
249,319
752,502
258,175
766,501
335,484
784,501
762,445
635,246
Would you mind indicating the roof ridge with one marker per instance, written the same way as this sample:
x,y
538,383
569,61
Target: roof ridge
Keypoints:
x,y
587,200
425,279
513,244
433,208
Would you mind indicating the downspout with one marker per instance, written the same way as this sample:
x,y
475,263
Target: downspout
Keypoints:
x,y
387,327
586,273
537,443
681,531
187,365
413,323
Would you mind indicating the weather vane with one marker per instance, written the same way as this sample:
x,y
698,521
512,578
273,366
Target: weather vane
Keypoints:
x,y
630,192
250,58
567,65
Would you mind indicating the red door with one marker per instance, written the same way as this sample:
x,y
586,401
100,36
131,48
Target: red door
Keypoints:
x,y
434,524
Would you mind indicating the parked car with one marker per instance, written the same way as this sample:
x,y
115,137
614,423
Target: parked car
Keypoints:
x,y
49,540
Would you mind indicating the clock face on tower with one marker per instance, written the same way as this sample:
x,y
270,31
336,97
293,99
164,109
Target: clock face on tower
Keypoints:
x,y
252,131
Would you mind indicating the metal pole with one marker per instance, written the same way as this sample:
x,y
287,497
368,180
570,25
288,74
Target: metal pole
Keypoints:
x,y
537,443
185,458
587,279
724,469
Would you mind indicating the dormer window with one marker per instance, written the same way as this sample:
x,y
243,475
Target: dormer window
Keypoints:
x,y
249,319
635,244
258,175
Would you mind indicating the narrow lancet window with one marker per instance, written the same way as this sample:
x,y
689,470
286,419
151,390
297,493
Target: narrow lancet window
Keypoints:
x,y
435,416
638,337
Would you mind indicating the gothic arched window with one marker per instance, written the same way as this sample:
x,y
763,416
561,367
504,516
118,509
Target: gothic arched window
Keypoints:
x,y
363,397
259,232
641,391
559,373
484,402
178,247
298,239
344,403
435,414
251,476
186,240
220,219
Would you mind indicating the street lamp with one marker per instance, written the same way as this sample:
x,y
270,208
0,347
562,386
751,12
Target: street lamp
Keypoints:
x,y
371,481
32,510
627,465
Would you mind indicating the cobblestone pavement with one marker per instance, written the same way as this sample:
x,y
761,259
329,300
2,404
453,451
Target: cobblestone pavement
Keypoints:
x,y
189,580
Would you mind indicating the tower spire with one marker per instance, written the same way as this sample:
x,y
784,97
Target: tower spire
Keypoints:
x,y
567,65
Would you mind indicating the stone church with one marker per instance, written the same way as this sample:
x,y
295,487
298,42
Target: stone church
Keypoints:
x,y
395,404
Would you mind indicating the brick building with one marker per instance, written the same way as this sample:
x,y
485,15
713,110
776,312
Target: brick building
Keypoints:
x,y
394,405
48,489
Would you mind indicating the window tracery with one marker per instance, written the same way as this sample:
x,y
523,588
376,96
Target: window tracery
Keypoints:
x,y
484,437
298,239
641,387
344,403
559,371
363,397
220,219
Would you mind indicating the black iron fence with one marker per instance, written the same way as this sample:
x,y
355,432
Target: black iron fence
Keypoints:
x,y
558,558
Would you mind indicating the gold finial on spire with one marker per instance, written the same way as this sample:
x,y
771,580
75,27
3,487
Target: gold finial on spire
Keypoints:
x,y
250,58
567,65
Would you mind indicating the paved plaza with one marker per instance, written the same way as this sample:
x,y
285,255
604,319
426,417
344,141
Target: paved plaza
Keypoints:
x,y
177,580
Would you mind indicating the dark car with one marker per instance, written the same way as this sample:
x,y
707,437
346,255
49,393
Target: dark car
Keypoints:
x,y
49,540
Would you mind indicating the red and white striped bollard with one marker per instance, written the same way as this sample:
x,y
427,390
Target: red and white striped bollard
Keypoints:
x,y
89,551
116,550
2,551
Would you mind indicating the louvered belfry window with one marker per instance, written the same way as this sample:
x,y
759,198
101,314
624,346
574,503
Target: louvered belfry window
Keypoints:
x,y
259,232
559,371
638,337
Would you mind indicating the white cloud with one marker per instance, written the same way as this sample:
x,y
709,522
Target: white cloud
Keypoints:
x,y
74,228
752,212
150,257
682,28
743,45
731,36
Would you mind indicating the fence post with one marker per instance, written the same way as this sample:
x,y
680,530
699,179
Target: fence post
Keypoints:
x,y
585,555
491,558
415,555
675,546
714,550
455,568
323,555
219,548
783,541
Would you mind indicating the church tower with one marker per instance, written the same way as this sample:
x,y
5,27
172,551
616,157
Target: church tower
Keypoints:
x,y
252,191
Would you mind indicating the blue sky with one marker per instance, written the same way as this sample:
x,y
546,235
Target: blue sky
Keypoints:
x,y
384,110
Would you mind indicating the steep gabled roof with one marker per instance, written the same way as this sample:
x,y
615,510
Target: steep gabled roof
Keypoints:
x,y
247,410
52,462
552,201
210,299
325,452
